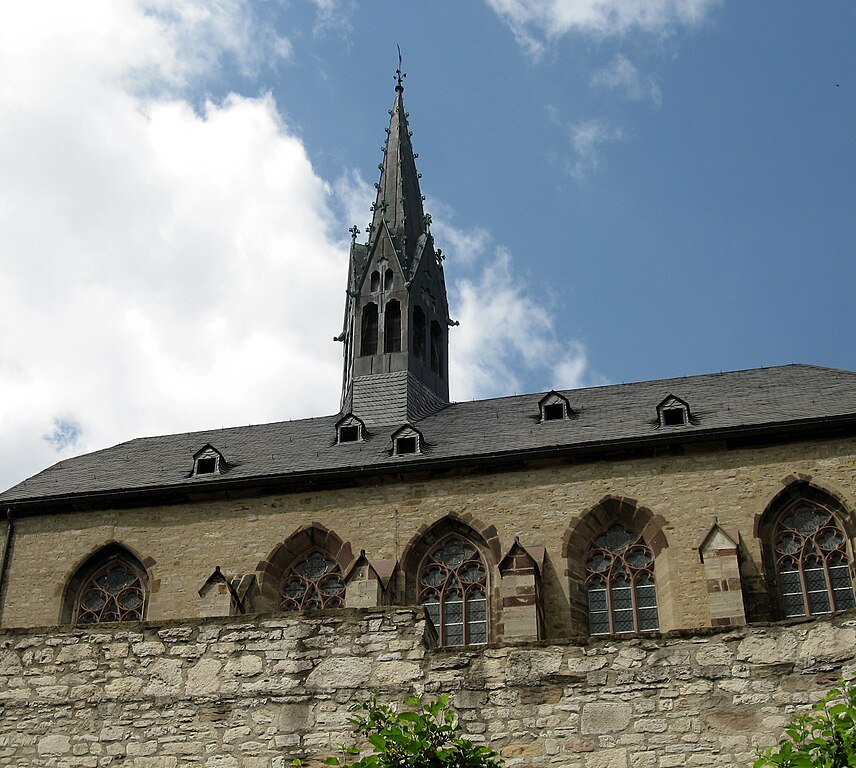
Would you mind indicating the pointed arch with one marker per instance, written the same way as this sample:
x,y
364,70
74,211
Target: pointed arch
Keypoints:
x,y
111,584
392,326
368,330
612,551
806,537
450,568
306,571
419,331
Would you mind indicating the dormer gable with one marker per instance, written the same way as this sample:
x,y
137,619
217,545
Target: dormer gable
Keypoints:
x,y
208,462
672,411
554,407
407,440
350,429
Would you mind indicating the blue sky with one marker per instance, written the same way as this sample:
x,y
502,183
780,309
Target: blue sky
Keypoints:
x,y
624,190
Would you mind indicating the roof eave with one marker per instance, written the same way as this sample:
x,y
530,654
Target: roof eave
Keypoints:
x,y
176,492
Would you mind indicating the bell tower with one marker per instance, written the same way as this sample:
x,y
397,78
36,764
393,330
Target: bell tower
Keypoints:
x,y
396,314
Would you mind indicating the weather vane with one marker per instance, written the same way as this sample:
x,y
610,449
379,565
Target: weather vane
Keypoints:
x,y
399,75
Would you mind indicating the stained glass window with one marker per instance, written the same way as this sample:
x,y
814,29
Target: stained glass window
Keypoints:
x,y
622,596
313,583
453,588
114,592
812,567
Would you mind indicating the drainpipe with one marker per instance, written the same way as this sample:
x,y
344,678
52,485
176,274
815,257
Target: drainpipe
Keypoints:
x,y
4,568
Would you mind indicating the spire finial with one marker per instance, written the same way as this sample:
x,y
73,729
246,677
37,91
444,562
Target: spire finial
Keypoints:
x,y
399,75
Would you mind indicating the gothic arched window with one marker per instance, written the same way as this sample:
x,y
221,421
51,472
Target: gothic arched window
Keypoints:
x,y
812,567
388,278
419,332
368,330
312,583
436,348
112,587
392,327
374,282
622,596
453,589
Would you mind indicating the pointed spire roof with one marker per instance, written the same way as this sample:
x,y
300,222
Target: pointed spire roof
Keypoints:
x,y
398,207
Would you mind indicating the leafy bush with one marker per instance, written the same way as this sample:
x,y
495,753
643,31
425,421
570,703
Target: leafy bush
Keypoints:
x,y
826,738
425,736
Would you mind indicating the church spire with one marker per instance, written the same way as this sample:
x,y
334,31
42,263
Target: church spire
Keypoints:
x,y
396,313
398,205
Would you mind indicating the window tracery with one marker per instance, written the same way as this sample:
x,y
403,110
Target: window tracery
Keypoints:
x,y
622,595
313,583
811,562
114,592
453,589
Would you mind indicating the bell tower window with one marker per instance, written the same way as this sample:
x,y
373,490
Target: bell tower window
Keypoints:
x,y
368,330
418,333
374,286
436,348
392,327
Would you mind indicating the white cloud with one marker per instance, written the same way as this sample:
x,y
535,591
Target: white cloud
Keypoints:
x,y
163,269
168,268
503,332
621,75
587,137
536,23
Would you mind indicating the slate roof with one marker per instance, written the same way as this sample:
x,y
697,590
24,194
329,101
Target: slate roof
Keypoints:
x,y
607,418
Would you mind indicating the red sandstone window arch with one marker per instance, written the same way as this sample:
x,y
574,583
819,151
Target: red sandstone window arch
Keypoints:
x,y
811,562
111,586
453,589
312,583
622,595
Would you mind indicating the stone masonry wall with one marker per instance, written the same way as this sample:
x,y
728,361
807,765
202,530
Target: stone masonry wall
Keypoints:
x,y
181,544
257,692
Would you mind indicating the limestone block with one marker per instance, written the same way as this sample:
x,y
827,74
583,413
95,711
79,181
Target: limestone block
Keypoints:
x,y
607,758
203,677
54,744
605,717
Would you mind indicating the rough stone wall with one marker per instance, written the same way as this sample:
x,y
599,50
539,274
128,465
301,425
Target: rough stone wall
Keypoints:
x,y
257,692
181,544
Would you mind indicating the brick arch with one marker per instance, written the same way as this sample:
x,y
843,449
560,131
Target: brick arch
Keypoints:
x,y
97,557
578,537
485,538
314,536
796,488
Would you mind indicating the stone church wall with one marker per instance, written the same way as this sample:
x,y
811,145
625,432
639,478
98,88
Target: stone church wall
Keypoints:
x,y
257,692
181,544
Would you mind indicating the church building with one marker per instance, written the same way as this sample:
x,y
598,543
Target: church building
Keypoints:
x,y
628,513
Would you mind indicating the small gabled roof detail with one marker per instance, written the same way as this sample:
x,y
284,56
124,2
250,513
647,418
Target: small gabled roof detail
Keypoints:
x,y
534,555
383,570
718,538
551,403
205,456
673,403
406,432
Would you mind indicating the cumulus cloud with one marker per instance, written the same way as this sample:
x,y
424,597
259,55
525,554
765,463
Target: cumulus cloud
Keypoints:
x,y
503,332
536,23
164,268
587,138
621,75
171,263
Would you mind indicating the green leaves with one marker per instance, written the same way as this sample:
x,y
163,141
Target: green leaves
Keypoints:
x,y
424,736
826,738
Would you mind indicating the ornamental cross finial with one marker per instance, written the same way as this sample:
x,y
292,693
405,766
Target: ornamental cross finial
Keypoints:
x,y
355,230
399,75
426,222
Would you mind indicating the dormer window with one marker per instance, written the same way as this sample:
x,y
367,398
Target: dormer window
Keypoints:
x,y
406,441
350,429
208,461
554,407
673,412
206,465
